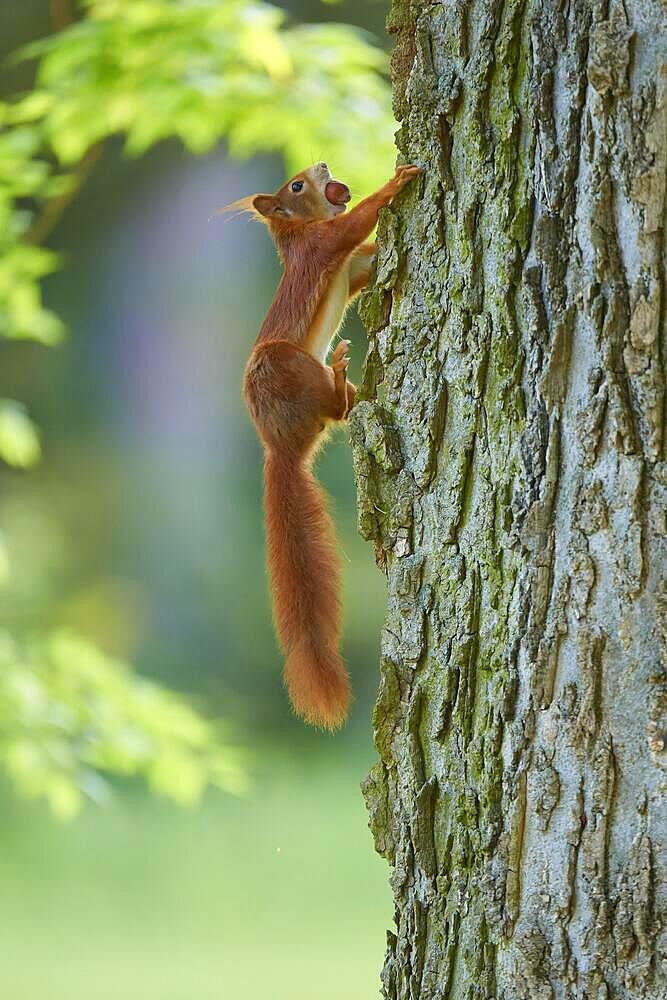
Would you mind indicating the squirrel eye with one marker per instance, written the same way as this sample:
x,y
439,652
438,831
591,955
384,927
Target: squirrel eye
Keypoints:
x,y
296,186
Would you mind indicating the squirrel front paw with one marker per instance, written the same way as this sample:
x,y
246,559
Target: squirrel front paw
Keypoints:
x,y
340,358
404,174
407,171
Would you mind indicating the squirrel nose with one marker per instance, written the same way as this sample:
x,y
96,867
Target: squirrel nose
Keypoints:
x,y
323,167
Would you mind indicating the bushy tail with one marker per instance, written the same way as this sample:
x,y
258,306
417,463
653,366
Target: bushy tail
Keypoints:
x,y
305,583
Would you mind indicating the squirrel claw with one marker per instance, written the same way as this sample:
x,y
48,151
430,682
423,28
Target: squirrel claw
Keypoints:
x,y
406,172
340,358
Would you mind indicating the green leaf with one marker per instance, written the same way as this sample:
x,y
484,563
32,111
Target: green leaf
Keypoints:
x,y
19,440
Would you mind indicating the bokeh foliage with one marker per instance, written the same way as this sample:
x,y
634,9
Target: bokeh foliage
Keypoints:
x,y
68,713
202,71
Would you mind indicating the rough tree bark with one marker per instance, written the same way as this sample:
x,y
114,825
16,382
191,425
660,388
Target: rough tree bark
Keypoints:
x,y
510,457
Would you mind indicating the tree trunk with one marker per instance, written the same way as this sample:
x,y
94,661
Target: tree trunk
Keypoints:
x,y
510,457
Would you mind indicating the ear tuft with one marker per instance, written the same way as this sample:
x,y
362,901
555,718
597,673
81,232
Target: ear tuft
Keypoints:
x,y
240,206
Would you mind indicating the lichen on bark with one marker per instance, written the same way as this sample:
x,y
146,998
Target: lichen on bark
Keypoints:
x,y
510,458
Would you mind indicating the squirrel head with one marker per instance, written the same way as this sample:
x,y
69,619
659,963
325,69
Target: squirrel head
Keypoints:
x,y
310,195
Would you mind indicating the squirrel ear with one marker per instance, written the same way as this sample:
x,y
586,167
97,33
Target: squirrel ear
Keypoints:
x,y
261,206
265,204
239,206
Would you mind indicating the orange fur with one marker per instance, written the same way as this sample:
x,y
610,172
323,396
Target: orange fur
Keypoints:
x,y
292,397
305,580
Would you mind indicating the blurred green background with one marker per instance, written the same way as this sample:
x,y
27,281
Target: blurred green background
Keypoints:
x,y
141,530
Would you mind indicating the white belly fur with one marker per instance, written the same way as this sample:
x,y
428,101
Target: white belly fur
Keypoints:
x,y
329,316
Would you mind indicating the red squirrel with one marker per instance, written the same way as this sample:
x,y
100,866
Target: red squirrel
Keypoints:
x,y
293,396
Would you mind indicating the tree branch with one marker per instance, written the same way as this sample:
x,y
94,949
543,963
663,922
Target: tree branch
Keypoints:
x,y
45,222
62,15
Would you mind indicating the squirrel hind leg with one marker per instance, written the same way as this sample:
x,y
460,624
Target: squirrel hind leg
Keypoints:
x,y
344,390
291,395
